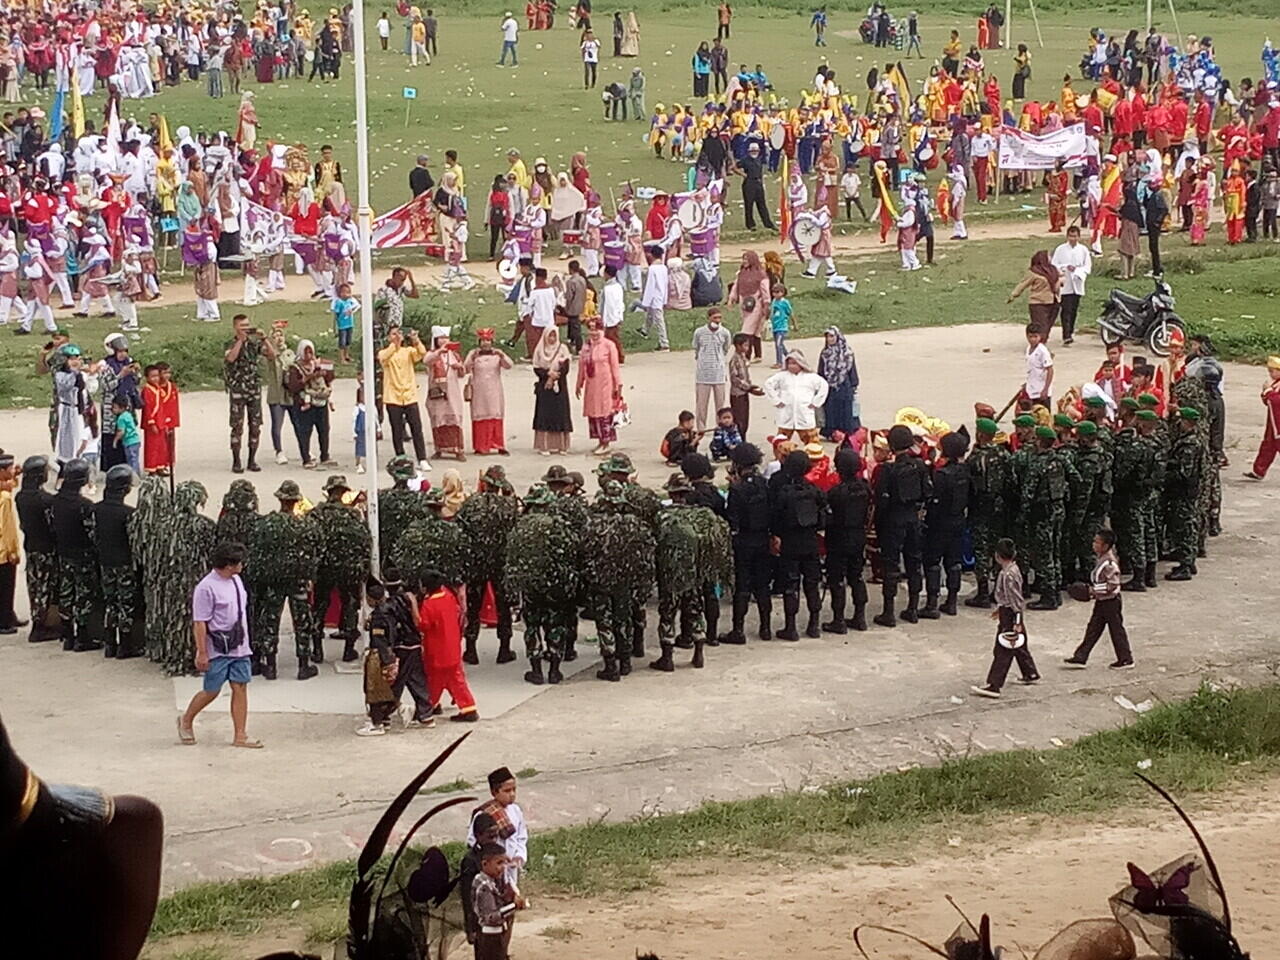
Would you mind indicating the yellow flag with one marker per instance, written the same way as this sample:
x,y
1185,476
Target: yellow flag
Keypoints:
x,y
77,109
166,141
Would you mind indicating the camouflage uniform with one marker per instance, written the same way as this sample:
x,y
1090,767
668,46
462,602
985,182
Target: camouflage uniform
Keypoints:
x,y
1048,482
343,565
618,552
1157,438
572,507
286,547
645,504
1190,391
80,589
486,519
398,506
149,538
1019,464
238,516
120,580
1184,476
243,380
1092,504
32,503
1129,473
989,466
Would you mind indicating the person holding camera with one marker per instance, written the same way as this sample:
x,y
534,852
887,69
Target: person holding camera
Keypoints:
x,y
399,359
220,623
244,387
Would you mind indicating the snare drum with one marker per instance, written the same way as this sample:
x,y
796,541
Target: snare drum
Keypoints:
x,y
608,231
524,238
615,255
702,242
572,238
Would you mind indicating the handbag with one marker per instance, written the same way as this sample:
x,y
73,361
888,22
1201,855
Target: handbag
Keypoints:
x,y
436,390
748,303
467,392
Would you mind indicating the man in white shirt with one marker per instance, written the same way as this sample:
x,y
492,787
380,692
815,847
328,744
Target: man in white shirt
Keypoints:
x,y
711,346
612,307
654,299
510,36
542,308
1074,264
1039,380
981,146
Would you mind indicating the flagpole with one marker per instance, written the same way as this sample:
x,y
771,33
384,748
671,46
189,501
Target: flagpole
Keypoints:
x,y
364,218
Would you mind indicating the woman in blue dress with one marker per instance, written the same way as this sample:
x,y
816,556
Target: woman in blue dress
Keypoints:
x,y
836,365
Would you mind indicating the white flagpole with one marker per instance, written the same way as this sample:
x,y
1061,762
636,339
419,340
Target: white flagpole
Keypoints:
x,y
364,218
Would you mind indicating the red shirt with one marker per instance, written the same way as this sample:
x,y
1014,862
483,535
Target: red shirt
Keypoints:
x,y
39,208
1178,121
1204,120
1092,116
1122,119
440,621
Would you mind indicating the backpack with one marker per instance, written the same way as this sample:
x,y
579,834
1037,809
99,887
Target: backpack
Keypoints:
x,y
802,508
908,486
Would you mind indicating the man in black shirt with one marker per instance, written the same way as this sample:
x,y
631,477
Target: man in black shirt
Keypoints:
x,y
846,537
749,520
120,581
799,510
420,179
33,502
80,595
944,526
903,488
753,199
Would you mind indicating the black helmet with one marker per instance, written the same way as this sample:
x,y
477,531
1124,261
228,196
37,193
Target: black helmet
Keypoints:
x,y
36,467
119,478
75,472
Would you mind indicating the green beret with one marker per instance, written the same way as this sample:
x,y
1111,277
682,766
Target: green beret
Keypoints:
x,y
1087,428
987,425
1189,413
1095,401
1129,403
1147,415
1149,400
1062,420
1046,433
1024,420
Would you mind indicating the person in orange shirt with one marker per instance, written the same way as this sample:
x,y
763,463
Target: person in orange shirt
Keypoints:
x,y
440,622
160,418
1233,195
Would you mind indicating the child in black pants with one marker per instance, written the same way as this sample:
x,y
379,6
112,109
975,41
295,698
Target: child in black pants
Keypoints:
x,y
1011,634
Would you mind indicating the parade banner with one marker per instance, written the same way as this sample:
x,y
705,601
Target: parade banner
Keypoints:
x,y
413,224
1024,151
263,230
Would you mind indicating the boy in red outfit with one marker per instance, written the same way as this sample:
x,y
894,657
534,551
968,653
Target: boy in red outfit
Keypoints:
x,y
440,620
160,418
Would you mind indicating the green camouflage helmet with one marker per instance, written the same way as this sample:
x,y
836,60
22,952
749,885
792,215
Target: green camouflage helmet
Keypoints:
x,y
336,482
678,483
494,480
539,495
433,498
556,475
612,492
288,492
401,467
241,495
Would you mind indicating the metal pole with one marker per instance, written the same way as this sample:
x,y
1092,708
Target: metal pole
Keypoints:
x,y
1148,16
1036,19
364,218
1008,24
1176,29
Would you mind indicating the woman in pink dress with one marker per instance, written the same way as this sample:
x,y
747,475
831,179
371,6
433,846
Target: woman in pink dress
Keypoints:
x,y
599,387
751,292
444,394
485,364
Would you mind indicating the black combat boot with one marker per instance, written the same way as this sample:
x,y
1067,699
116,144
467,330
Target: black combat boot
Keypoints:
x,y
68,635
737,635
932,587
255,665
534,673
637,641
269,667
1149,577
571,648
317,649
890,595
110,648
349,650
837,624
764,610
624,663
1180,572
711,611
252,464
697,662
236,465
912,614
859,621
469,654
949,605
664,662
553,671
813,603
684,641
982,599
1134,584
610,670
790,608
306,669
930,611
505,653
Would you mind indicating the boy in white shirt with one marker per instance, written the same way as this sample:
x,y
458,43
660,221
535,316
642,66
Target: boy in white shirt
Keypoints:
x,y
851,191
1039,380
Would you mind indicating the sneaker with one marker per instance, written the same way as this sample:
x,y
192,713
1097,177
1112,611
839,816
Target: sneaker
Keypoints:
x,y
1075,663
281,458
991,693
424,466
1250,475
360,468
1122,665
371,729
426,724
471,716
1029,681
644,334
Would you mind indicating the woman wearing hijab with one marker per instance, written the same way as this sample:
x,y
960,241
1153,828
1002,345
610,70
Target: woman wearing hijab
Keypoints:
x,y
599,387
579,173
1042,282
444,394
567,204
310,384
631,36
552,425
484,365
454,493
188,205
751,292
448,204
837,366
828,179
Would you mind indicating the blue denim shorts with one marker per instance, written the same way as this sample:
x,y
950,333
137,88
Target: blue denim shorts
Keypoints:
x,y
226,669
344,336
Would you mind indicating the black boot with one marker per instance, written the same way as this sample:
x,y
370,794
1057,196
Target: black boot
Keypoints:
x,y
269,667
610,670
911,614
306,670
255,665
236,465
1049,600
85,642
68,635
930,611
317,649
110,649
1180,572
711,610
1149,578
764,611
859,621
885,617
624,663
664,662
813,629
349,650
697,662
637,642
534,673
553,671
837,624
469,654
932,588
505,653
982,599
1134,584
790,608
949,605
737,635
570,649
252,464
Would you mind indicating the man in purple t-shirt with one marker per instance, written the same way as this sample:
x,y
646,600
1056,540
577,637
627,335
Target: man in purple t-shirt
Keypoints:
x,y
220,622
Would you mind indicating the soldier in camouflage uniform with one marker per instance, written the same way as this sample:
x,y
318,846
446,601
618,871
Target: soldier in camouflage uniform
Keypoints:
x,y
244,387
1162,437
432,545
645,504
1149,425
618,568
1129,472
1064,429
149,530
121,585
988,509
1019,464
33,502
188,537
80,591
1048,480
1190,391
1095,410
572,506
286,548
543,557
486,519
398,506
1184,476
238,516
343,565
1091,505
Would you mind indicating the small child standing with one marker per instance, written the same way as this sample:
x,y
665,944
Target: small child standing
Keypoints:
x,y
781,322
358,424
126,434
440,622
680,440
493,902
344,320
1011,633
380,664
851,191
1104,587
130,288
726,436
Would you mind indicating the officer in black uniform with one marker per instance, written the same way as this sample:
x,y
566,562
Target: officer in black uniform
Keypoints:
x,y
749,518
79,593
944,525
121,593
33,503
847,505
701,473
902,489
799,511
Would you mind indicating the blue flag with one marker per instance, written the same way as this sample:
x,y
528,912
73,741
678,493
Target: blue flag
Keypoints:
x,y
56,124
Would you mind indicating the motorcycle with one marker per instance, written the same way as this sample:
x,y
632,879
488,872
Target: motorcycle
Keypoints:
x,y
1148,319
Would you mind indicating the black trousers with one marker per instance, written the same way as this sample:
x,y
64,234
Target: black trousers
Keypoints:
x,y
722,79
1108,614
613,107
752,201
752,571
412,416
803,573
315,417
1269,224
412,675
1070,308
849,204
943,550
589,75
901,552
1002,657
496,231
722,31
700,84
8,584
1153,245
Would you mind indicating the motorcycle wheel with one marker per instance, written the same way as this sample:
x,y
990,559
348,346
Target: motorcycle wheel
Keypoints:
x,y
1109,337
1159,333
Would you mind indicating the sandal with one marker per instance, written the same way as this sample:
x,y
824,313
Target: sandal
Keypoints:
x,y
186,737
247,744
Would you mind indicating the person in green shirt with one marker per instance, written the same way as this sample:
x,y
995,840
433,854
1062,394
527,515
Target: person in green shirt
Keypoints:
x,y
127,435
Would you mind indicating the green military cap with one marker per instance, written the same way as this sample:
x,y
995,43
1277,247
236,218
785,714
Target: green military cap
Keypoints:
x,y
495,479
1024,420
621,463
288,490
678,483
1129,403
1147,415
987,425
1046,433
401,467
556,475
1189,413
539,495
1087,428
611,491
1149,400
1062,420
1095,401
336,482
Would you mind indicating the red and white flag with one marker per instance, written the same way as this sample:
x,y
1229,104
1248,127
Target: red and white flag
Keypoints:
x,y
413,224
